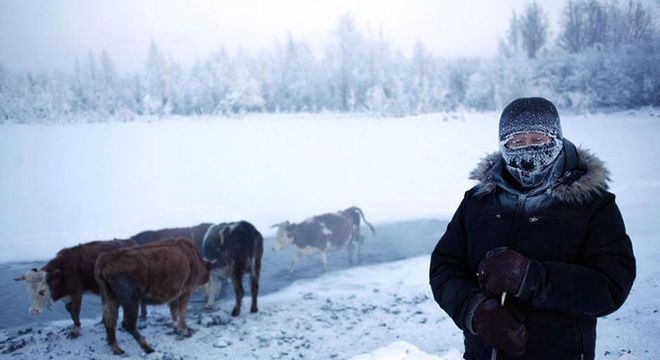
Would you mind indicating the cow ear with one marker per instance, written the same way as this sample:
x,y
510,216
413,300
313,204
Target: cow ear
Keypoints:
x,y
34,270
20,278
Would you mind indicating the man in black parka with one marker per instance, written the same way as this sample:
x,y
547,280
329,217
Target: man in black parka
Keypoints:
x,y
541,228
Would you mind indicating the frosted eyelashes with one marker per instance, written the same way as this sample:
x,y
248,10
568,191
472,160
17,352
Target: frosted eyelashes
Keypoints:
x,y
532,158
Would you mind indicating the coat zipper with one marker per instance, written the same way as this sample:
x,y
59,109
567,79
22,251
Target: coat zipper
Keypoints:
x,y
519,205
580,338
512,232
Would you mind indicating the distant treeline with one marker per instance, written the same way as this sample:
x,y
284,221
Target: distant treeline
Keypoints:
x,y
605,55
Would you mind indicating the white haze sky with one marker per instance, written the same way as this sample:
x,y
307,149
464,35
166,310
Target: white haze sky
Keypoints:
x,y
45,35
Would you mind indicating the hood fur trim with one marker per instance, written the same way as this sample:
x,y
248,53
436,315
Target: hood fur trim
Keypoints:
x,y
588,178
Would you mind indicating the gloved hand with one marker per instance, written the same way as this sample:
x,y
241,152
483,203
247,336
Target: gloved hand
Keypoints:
x,y
502,270
501,327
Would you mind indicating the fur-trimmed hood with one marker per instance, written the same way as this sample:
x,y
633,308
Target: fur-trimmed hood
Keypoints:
x,y
584,175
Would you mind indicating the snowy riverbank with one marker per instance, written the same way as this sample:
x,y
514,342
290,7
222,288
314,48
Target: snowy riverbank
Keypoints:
x,y
338,315
74,183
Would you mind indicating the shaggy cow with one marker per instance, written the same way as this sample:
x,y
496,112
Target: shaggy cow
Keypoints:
x,y
66,277
196,233
237,248
318,234
165,271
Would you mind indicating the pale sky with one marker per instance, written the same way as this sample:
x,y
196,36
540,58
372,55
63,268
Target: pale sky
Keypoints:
x,y
45,35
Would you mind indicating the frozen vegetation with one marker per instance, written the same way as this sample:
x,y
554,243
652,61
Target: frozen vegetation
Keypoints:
x,y
604,55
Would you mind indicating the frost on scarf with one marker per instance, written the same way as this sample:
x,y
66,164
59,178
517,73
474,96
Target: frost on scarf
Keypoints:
x,y
530,164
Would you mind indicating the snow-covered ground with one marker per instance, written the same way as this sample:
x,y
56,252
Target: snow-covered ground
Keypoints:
x,y
338,315
398,350
61,185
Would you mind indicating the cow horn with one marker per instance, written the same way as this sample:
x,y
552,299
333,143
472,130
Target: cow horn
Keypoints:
x,y
276,225
20,278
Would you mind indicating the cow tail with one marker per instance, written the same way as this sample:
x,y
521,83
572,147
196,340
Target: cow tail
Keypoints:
x,y
373,231
104,286
260,251
258,239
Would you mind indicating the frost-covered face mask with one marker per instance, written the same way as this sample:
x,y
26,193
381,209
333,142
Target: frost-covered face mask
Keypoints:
x,y
529,164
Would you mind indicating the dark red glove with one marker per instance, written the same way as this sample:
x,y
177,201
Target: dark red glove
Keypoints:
x,y
501,327
502,270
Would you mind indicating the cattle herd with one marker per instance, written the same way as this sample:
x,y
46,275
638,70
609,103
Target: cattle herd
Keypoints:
x,y
166,266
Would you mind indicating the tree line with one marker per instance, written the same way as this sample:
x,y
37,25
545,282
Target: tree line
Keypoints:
x,y
604,56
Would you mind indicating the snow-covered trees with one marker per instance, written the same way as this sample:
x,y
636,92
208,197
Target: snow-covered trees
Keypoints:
x,y
526,33
589,23
605,55
244,93
156,96
533,27
290,76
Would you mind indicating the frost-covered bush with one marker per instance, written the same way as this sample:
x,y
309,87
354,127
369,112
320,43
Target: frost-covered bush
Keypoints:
x,y
605,56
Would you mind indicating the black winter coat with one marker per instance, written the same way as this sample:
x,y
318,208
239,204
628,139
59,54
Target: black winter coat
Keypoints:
x,y
582,260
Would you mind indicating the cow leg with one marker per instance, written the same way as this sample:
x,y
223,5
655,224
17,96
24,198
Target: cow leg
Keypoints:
x,y
324,260
212,289
142,320
296,257
351,252
182,303
110,311
143,311
73,307
255,270
237,282
174,311
358,246
130,325
358,249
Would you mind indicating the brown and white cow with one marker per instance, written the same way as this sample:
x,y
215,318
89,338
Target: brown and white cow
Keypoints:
x,y
236,248
160,272
318,234
66,277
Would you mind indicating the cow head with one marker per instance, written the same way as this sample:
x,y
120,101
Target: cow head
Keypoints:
x,y
37,282
284,235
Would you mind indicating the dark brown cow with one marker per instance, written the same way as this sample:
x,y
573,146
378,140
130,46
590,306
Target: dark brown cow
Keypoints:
x,y
165,271
196,233
317,234
237,248
67,277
